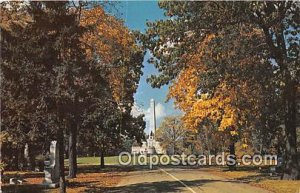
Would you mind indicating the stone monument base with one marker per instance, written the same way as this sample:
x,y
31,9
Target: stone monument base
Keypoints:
x,y
51,168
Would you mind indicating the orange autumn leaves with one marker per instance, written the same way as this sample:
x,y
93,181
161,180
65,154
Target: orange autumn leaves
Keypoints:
x,y
221,104
198,106
109,42
106,37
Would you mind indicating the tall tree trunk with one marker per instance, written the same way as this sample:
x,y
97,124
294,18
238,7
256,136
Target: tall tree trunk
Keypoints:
x,y
73,150
291,170
31,156
232,152
279,52
102,163
207,140
62,181
20,157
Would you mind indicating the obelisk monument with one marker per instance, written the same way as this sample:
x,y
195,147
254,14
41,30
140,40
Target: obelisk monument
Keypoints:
x,y
152,117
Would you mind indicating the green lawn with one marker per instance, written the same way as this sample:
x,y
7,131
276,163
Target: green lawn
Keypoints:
x,y
110,160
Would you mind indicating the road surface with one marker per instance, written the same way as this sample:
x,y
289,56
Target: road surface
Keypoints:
x,y
180,180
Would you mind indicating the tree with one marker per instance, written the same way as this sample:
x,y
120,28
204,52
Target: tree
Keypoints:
x,y
57,79
113,48
281,30
218,71
114,52
59,71
45,51
172,134
16,104
103,129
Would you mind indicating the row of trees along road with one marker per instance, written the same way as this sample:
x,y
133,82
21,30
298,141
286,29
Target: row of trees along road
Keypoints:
x,y
232,67
67,68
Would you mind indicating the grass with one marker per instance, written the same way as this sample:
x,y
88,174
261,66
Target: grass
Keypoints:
x,y
259,178
280,186
110,160
92,178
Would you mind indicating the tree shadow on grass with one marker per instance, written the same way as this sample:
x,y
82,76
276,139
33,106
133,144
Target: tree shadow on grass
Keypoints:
x,y
257,178
81,184
25,175
110,168
162,186
25,188
263,173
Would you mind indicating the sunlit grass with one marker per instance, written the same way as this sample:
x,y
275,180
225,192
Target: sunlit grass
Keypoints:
x,y
260,179
109,160
280,186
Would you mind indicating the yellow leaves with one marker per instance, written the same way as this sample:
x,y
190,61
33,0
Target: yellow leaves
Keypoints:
x,y
199,106
5,137
235,101
116,78
233,133
229,117
110,42
184,89
225,123
244,145
107,37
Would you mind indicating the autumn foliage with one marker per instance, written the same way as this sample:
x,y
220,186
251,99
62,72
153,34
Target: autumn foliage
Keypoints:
x,y
112,45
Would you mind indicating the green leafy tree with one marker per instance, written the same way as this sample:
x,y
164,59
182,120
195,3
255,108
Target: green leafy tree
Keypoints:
x,y
172,134
46,50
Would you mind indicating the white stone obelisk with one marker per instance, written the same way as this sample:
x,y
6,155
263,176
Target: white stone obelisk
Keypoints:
x,y
152,117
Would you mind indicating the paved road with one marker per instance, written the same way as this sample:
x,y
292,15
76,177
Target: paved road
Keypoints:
x,y
179,180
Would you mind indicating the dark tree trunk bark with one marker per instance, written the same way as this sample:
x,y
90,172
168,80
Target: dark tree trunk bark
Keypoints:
x,y
232,152
102,163
291,168
279,52
31,156
207,140
73,150
20,158
62,181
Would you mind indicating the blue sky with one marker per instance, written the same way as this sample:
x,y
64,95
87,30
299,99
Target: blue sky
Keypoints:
x,y
135,15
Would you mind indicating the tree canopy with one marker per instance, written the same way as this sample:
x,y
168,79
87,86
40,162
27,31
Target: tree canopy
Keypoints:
x,y
66,69
234,64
